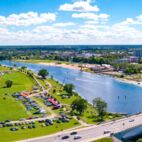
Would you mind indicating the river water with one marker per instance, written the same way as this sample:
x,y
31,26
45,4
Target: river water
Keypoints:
x,y
121,97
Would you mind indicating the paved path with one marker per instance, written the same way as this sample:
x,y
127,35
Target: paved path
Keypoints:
x,y
81,122
94,132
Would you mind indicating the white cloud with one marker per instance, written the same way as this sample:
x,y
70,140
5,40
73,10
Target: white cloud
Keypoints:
x,y
27,19
90,31
80,6
139,18
85,34
96,18
132,21
66,24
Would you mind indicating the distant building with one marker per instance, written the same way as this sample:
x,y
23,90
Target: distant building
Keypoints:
x,y
123,60
133,59
138,53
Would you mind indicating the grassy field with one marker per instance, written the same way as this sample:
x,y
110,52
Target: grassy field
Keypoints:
x,y
42,61
10,109
104,140
2,68
90,114
8,136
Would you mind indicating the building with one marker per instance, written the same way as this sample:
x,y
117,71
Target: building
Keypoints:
x,y
138,53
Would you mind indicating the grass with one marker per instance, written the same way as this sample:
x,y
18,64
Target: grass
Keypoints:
x,y
90,114
104,140
7,136
42,61
59,91
3,68
10,109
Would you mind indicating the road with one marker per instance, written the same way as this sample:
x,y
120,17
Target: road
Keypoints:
x,y
93,132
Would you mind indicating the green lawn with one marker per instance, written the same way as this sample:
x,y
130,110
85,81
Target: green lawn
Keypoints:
x,y
2,68
42,61
10,109
89,116
8,136
36,61
104,140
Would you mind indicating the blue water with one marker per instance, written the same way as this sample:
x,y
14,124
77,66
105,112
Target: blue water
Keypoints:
x,y
90,86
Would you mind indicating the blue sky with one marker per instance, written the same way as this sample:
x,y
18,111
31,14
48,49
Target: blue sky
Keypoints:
x,y
70,22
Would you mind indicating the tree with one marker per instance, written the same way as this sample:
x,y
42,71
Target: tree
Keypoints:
x,y
8,83
139,140
14,65
101,106
79,105
23,67
69,88
43,73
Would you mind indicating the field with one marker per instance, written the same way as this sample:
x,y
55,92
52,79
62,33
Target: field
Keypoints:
x,y
7,136
104,140
10,109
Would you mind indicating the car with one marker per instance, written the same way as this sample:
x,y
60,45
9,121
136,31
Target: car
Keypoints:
x,y
73,133
14,129
65,137
49,121
64,120
107,131
77,137
132,120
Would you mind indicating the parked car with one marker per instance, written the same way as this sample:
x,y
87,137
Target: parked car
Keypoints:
x,y
49,121
14,129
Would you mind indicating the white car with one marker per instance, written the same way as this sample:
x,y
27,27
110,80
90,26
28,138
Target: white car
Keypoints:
x,y
77,137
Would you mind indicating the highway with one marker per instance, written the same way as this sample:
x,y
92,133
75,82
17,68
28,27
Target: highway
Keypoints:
x,y
93,132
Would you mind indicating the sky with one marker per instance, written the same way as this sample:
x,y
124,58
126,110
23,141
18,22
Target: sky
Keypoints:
x,y
70,22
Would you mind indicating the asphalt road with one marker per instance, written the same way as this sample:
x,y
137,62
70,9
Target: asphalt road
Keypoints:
x,y
93,132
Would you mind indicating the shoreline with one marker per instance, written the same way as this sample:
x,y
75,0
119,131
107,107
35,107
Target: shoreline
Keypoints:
x,y
63,65
76,67
112,74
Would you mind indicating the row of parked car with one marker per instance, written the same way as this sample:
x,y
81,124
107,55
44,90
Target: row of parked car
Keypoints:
x,y
30,104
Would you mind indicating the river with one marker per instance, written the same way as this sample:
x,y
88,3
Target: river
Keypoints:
x,y
121,97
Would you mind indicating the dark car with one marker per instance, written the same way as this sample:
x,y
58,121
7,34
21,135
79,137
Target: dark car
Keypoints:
x,y
73,133
65,137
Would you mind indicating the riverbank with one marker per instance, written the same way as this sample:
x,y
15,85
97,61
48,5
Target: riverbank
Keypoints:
x,y
63,65
124,79
114,74
77,66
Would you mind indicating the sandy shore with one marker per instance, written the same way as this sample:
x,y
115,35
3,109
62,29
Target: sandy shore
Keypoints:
x,y
124,80
114,74
129,81
63,65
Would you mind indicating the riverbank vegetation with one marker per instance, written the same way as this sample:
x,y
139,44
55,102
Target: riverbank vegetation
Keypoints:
x,y
75,105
